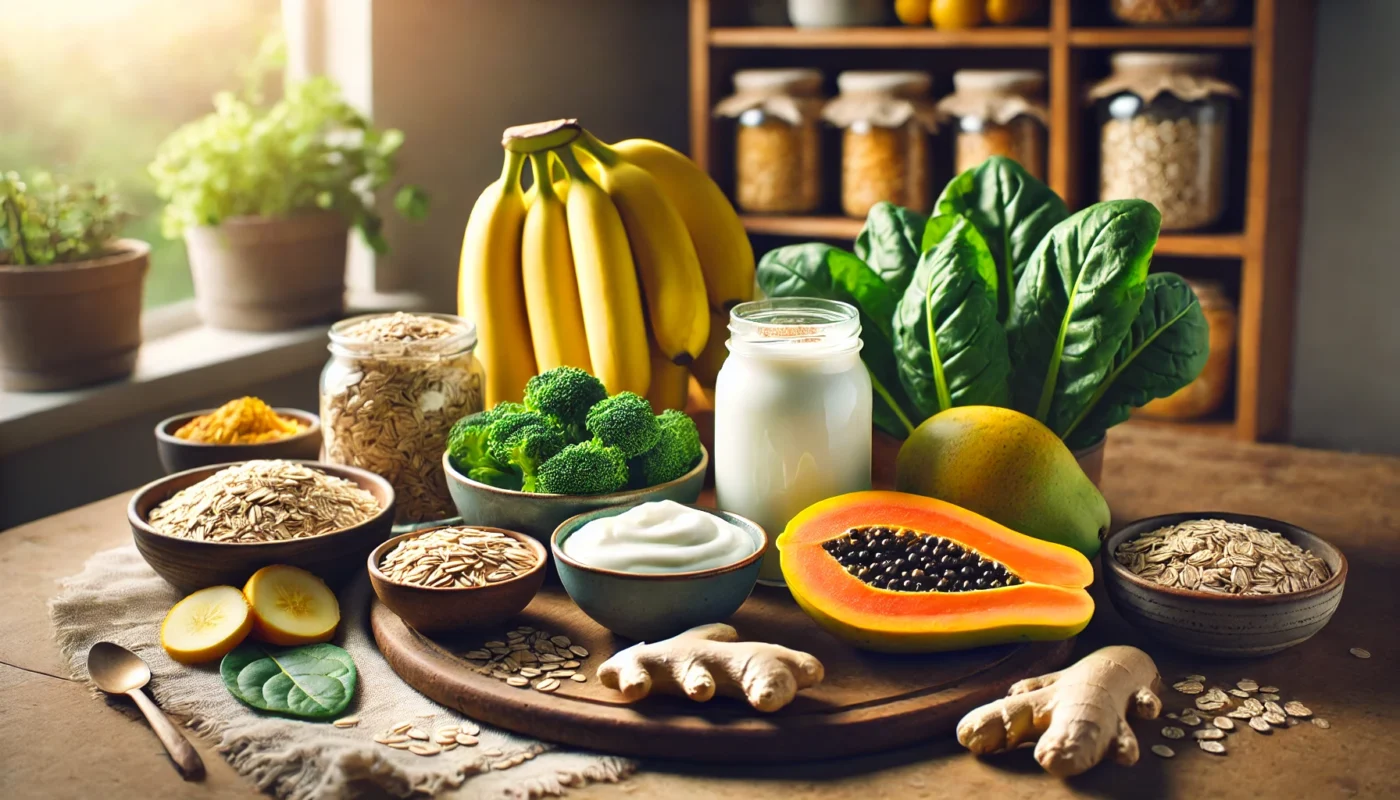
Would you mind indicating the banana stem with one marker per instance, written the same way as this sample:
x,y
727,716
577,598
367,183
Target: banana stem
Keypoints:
x,y
570,161
544,183
595,147
511,170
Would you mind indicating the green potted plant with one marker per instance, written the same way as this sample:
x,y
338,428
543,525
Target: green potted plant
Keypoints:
x,y
70,290
264,195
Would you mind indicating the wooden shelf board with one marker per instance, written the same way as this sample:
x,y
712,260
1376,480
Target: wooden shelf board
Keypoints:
x,y
1161,37
878,38
1204,245
1222,428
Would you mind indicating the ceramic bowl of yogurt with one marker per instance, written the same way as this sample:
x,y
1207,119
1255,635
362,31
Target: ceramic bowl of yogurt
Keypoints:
x,y
648,571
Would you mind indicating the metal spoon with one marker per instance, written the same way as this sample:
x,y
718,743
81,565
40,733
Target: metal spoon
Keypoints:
x,y
117,670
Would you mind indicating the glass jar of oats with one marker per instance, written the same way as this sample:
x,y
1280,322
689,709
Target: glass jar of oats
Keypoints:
x,y
1165,123
393,387
777,147
999,112
887,118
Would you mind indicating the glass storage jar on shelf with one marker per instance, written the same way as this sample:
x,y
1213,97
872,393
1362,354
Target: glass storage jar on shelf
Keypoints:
x,y
887,118
393,387
1172,12
1203,396
999,112
777,143
1165,122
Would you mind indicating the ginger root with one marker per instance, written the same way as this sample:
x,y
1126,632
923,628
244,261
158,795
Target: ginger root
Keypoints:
x,y
1077,714
709,660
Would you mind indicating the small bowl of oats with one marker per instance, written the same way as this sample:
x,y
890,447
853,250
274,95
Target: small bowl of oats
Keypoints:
x,y
457,576
1223,584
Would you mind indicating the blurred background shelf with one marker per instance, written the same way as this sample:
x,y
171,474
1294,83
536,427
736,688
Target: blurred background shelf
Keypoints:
x,y
905,38
1162,37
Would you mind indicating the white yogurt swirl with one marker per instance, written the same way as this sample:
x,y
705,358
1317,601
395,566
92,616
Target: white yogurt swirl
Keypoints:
x,y
659,537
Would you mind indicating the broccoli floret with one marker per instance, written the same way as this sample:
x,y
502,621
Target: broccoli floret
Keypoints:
x,y
565,394
503,478
625,421
674,455
528,447
504,426
584,468
466,442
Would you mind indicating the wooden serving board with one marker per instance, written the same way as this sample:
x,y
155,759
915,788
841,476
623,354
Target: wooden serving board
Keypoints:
x,y
869,702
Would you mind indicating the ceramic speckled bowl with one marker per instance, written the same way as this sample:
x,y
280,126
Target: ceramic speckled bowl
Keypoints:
x,y
648,607
1224,625
178,455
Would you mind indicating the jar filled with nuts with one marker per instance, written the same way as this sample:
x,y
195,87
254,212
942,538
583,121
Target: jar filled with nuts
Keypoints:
x,y
1165,119
777,148
999,112
887,118
393,387
1172,12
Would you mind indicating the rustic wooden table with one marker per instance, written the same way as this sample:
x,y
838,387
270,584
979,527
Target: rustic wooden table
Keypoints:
x,y
56,741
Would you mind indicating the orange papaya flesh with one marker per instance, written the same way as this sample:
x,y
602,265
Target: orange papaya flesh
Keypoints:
x,y
1048,603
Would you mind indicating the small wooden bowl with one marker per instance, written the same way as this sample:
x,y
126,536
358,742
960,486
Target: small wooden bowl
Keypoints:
x,y
431,609
178,455
1223,624
190,564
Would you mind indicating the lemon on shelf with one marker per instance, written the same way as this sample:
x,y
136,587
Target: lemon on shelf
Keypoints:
x,y
1011,12
291,606
957,14
912,12
206,625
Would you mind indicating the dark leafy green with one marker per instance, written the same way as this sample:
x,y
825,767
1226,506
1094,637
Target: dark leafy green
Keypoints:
x,y
820,270
1011,209
1075,306
949,345
890,243
314,681
1165,350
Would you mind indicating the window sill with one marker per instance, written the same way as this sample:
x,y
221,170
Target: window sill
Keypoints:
x,y
176,364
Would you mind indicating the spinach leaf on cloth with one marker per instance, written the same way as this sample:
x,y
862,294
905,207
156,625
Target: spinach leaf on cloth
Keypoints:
x,y
950,347
1074,307
315,681
1166,349
819,270
890,243
1012,210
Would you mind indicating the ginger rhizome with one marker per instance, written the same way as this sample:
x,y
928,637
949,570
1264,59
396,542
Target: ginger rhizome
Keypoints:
x,y
1075,716
709,660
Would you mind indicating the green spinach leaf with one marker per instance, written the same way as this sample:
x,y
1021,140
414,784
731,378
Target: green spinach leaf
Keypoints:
x,y
1075,306
820,270
890,243
1011,209
314,681
950,347
1166,349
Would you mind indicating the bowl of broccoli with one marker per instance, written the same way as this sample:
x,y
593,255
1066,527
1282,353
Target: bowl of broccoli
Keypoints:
x,y
568,449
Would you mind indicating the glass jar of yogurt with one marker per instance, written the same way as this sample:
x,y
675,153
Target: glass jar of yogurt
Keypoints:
x,y
792,413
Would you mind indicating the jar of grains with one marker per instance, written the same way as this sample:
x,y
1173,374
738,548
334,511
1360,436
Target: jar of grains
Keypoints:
x,y
777,148
887,117
1204,395
1000,112
1172,12
394,385
1164,120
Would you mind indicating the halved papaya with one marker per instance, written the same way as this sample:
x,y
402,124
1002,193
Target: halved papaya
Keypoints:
x,y
898,572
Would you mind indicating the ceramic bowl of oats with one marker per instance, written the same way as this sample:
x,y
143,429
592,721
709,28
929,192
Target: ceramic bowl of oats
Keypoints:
x,y
1223,584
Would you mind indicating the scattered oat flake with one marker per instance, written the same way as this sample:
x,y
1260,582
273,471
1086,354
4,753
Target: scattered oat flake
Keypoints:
x,y
1239,693
1240,713
346,722
1163,751
1171,732
1360,652
1265,696
1270,689
1275,719
1223,723
1260,724
1189,687
1196,678
1247,685
1216,748
1321,723
1208,733
1296,709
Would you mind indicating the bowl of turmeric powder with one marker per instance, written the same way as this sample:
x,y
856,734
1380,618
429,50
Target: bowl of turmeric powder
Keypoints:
x,y
240,430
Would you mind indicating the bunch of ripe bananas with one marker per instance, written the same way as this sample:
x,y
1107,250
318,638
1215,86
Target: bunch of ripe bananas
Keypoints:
x,y
622,260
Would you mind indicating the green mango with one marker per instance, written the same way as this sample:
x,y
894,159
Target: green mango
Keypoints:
x,y
1008,467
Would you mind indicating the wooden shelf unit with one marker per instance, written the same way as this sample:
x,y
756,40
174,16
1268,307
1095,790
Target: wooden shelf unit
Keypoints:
x,y
1256,251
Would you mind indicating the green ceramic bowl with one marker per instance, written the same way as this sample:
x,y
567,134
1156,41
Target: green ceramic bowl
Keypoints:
x,y
648,607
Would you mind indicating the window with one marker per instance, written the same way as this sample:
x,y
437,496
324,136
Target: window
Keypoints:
x,y
89,88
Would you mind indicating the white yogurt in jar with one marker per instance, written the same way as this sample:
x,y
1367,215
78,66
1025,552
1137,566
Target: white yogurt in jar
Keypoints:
x,y
659,537
792,413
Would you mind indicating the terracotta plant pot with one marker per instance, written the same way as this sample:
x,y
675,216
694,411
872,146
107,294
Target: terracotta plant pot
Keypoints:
x,y
68,325
263,274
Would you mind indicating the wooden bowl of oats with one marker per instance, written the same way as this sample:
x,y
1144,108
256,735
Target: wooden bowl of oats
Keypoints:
x,y
1223,584
457,576
219,524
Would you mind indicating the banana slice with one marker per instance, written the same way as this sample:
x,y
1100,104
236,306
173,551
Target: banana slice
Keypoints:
x,y
291,606
206,625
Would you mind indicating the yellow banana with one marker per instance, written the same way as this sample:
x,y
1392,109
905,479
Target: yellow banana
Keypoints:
x,y
661,248
706,367
489,289
721,243
607,284
670,382
551,288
